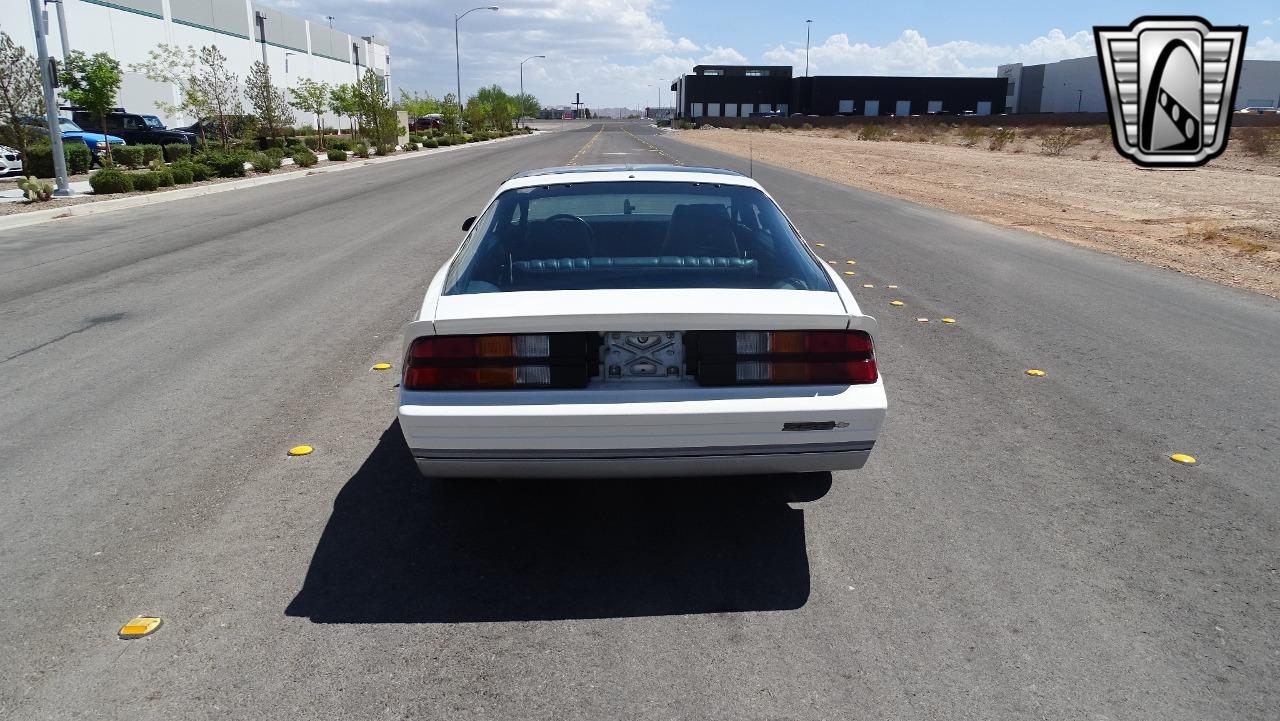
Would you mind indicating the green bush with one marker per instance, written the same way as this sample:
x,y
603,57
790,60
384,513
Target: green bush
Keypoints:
x,y
444,141
775,126
225,164
174,152
970,135
335,154
182,173
339,144
430,143
873,132
471,139
305,158
263,163
409,146
39,159
386,149
997,138
165,178
362,150
148,181
277,153
111,180
130,156
151,152
1057,143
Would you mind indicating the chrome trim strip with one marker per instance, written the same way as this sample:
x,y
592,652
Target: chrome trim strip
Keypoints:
x,y
539,454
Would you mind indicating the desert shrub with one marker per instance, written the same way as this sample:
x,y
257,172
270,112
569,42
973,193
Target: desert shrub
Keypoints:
x,y
174,152
111,180
151,152
182,173
130,156
430,143
362,150
277,153
409,146
338,144
970,135
35,190
807,126
998,138
1257,141
444,141
684,125
305,158
225,164
146,181
164,177
335,154
263,163
386,149
471,139
1058,142
775,126
874,132
39,159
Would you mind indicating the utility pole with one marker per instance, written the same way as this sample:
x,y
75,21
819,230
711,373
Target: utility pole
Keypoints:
x,y
62,28
457,52
330,19
522,62
261,21
50,102
807,25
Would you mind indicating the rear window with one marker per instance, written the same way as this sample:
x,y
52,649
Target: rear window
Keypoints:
x,y
571,236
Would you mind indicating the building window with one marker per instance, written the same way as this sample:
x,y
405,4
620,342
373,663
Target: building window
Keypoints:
x,y
846,106
902,109
713,110
782,108
984,107
731,110
871,107
935,106
695,109
713,71
757,73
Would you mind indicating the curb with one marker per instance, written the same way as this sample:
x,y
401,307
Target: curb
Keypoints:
x,y
35,217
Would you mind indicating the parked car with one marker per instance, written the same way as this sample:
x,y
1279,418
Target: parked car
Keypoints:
x,y
609,321
10,160
71,132
211,130
1259,110
135,129
426,122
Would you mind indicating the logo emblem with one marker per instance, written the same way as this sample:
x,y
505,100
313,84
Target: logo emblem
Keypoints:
x,y
1171,86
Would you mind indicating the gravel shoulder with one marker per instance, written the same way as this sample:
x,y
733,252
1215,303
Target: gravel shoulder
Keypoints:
x,y
1220,222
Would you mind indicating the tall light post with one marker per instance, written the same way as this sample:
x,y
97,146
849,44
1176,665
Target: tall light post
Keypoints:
x,y
522,62
458,53
655,110
62,28
807,24
50,103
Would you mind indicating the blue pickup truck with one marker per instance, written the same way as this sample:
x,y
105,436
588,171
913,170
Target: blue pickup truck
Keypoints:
x,y
74,133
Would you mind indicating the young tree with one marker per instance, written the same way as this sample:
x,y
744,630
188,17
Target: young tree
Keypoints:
x,y
342,101
500,106
21,94
476,114
417,105
312,97
91,82
215,91
527,106
378,120
449,113
269,102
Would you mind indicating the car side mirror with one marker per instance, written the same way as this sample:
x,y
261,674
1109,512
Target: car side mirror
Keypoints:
x,y
466,224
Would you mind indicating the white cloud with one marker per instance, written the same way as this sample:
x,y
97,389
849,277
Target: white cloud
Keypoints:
x,y
723,56
911,54
1268,21
1264,49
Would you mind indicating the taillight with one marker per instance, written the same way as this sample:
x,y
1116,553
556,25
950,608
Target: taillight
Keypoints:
x,y
477,362
783,357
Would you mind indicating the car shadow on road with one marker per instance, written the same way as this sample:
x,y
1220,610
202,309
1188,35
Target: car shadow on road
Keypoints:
x,y
402,549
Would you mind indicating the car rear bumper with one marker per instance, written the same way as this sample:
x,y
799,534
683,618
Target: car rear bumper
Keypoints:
x,y
633,463
650,432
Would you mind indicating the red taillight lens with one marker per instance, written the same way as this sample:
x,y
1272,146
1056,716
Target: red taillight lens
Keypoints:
x,y
784,357
472,362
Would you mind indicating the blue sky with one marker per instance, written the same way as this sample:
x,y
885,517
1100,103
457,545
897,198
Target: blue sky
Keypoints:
x,y
616,52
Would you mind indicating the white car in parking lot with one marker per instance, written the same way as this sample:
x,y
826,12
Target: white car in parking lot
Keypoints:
x,y
609,321
10,160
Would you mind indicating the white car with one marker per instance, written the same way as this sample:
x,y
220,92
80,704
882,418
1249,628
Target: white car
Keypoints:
x,y
609,321
10,160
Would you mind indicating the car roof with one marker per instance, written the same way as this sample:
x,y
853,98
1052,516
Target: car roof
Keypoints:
x,y
615,173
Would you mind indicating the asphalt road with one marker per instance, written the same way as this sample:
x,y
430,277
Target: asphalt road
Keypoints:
x,y
1016,548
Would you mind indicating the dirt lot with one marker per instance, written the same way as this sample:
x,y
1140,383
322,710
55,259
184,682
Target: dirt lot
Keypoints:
x,y
1220,222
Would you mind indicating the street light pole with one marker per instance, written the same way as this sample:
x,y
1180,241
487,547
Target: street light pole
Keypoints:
x,y
457,53
807,25
50,104
522,62
62,28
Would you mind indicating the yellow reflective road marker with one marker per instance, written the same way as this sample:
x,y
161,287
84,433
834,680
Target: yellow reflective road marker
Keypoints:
x,y
831,262
896,302
139,626
948,320
849,272
892,287
381,366
821,245
922,320
1035,372
851,262
1184,459
301,450
868,285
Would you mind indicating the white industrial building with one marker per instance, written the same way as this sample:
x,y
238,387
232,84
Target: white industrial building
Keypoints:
x,y
1075,85
243,30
